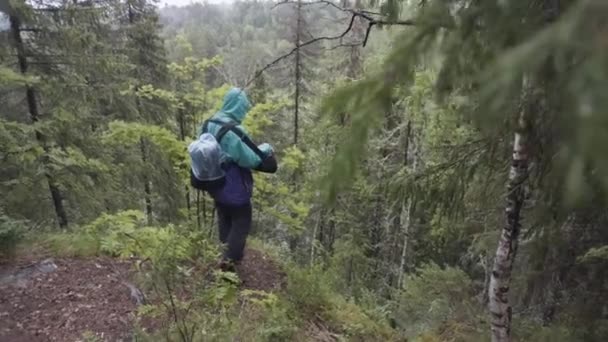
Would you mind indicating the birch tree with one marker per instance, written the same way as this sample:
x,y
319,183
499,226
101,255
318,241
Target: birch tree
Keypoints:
x,y
500,281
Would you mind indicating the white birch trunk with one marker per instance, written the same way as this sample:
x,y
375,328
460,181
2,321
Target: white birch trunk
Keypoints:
x,y
500,280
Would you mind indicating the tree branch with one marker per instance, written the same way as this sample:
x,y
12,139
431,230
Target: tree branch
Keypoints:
x,y
299,46
344,45
367,15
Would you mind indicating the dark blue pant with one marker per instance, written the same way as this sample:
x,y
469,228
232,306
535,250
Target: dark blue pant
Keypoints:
x,y
234,225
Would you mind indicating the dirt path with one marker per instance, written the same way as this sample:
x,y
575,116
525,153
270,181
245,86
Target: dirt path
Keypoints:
x,y
79,296
89,295
258,271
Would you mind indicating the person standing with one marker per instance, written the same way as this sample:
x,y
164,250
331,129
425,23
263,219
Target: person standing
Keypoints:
x,y
239,157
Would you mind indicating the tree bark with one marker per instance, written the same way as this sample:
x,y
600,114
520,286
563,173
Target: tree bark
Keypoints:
x,y
355,65
30,92
314,239
147,187
533,97
406,219
131,15
182,135
407,210
500,280
198,209
298,73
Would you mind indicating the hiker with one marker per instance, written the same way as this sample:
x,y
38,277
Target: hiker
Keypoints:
x,y
239,155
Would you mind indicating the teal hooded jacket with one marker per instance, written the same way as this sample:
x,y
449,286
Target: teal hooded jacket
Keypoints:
x,y
235,108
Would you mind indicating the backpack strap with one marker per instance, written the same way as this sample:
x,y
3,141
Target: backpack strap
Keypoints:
x,y
225,127
231,126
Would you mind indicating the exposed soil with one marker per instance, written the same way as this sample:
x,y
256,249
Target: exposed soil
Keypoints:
x,y
259,272
39,302
79,296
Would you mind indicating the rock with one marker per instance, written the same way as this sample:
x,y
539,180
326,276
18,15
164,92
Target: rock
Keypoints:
x,y
21,277
136,295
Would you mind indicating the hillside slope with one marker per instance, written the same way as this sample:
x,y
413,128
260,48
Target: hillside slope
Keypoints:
x,y
45,297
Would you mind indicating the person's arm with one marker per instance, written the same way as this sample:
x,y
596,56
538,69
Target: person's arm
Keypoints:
x,y
247,154
268,165
240,152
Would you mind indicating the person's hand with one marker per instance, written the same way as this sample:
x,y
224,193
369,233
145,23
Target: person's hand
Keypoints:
x,y
266,149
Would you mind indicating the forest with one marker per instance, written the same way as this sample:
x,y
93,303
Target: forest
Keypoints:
x,y
441,171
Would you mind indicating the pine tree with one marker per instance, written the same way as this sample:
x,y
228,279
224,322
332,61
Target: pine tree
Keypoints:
x,y
34,113
146,52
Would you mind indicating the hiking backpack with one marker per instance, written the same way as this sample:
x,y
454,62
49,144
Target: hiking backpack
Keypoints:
x,y
206,156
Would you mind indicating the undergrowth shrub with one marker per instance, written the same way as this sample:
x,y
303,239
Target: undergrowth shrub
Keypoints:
x,y
11,233
70,245
309,290
269,316
567,327
175,266
356,325
439,302
531,331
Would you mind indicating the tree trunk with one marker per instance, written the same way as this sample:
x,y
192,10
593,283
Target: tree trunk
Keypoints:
x,y
533,96
298,73
30,92
142,142
147,187
314,239
405,217
182,135
500,280
331,233
198,209
355,65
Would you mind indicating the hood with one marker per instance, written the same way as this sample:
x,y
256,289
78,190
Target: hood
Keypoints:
x,y
236,105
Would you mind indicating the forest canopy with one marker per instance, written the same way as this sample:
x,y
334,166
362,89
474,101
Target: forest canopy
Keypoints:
x,y
441,162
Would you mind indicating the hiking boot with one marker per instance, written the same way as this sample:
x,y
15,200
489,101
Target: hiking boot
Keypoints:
x,y
227,266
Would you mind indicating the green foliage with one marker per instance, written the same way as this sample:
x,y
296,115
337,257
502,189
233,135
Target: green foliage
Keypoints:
x,y
73,160
11,78
293,159
351,268
130,134
226,294
11,233
409,139
276,323
192,65
371,100
258,118
561,330
439,300
128,220
72,245
357,325
308,289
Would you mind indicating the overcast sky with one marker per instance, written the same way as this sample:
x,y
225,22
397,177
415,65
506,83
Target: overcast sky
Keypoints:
x,y
162,3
